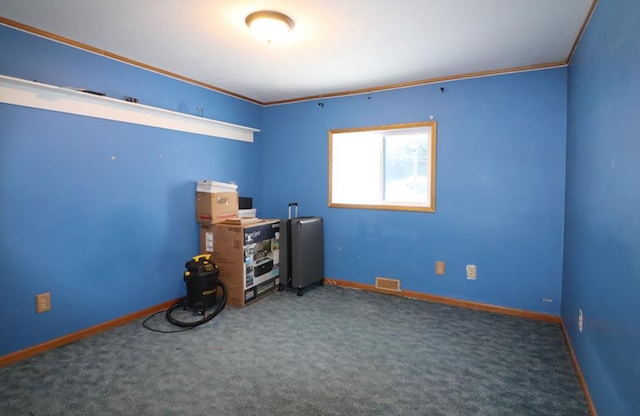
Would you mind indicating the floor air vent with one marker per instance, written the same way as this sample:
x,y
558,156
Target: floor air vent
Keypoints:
x,y
385,283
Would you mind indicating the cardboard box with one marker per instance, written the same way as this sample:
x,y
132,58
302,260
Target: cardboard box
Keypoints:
x,y
213,208
248,257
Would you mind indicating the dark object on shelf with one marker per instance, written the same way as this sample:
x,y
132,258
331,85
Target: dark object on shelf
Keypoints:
x,y
130,99
301,251
245,202
86,90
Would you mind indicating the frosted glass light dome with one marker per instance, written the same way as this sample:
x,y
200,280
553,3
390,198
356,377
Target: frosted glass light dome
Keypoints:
x,y
269,25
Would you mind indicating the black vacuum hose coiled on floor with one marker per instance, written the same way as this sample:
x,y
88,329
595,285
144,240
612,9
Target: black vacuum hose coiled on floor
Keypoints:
x,y
205,318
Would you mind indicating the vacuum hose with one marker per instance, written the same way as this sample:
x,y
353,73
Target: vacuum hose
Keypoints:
x,y
205,318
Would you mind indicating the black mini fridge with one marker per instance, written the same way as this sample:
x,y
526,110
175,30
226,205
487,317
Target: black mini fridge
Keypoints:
x,y
301,251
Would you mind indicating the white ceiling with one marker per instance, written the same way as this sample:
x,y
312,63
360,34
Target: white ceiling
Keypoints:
x,y
335,46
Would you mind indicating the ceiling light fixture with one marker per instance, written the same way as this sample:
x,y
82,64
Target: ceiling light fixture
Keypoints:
x,y
269,25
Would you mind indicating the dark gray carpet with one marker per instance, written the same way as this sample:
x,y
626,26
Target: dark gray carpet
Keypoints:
x,y
333,351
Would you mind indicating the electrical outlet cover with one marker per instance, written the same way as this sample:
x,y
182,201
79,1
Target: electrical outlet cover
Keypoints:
x,y
43,302
471,272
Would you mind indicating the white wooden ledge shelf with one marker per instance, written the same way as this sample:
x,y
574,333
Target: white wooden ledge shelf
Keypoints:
x,y
25,93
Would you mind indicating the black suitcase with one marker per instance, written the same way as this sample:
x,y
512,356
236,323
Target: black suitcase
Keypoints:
x,y
301,251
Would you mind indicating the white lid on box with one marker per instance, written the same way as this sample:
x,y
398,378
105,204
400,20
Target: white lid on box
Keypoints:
x,y
208,186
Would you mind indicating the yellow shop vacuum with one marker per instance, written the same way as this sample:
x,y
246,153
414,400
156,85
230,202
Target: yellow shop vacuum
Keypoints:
x,y
201,278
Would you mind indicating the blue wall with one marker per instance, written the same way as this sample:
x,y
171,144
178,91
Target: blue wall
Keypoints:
x,y
109,236
499,197
602,250
105,236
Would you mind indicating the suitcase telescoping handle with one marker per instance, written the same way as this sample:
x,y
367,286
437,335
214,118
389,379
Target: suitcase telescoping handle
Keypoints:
x,y
295,212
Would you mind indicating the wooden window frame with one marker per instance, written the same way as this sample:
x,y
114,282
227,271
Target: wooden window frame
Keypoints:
x,y
394,205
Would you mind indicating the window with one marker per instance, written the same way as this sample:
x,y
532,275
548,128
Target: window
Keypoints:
x,y
386,167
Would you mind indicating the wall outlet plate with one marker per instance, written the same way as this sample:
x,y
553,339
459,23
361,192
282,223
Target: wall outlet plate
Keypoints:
x,y
440,267
471,272
43,302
